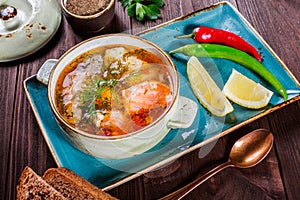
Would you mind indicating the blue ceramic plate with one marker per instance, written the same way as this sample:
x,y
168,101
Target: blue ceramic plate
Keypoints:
x,y
205,129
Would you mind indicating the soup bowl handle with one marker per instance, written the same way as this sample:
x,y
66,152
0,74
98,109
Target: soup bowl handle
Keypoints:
x,y
184,115
44,72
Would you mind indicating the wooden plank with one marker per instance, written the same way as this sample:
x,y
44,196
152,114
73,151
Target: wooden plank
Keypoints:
x,y
287,146
8,75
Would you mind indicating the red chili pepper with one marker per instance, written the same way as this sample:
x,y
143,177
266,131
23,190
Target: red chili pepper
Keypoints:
x,y
204,34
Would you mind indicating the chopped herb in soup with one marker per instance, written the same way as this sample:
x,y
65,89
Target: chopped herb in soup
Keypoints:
x,y
113,90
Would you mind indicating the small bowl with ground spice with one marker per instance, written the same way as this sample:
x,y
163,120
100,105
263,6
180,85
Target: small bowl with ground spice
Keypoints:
x,y
88,16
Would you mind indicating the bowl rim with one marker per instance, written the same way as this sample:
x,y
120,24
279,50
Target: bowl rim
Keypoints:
x,y
61,120
110,6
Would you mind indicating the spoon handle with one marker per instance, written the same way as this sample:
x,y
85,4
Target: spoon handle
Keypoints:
x,y
180,193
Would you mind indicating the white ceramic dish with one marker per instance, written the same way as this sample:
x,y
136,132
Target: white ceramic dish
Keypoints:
x,y
29,29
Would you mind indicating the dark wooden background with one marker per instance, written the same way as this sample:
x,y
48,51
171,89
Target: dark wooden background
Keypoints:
x,y
277,177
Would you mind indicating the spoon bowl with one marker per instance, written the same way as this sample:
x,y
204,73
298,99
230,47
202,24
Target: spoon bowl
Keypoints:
x,y
246,152
252,148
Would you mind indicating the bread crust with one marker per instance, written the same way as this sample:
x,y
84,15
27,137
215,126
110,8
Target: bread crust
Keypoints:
x,y
72,186
32,186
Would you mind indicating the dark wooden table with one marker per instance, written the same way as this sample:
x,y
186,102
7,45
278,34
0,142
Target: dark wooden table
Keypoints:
x,y
277,177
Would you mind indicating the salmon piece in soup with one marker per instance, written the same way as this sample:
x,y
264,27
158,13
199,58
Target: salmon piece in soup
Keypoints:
x,y
146,101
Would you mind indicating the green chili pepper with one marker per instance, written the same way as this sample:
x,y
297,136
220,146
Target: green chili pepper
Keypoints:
x,y
235,55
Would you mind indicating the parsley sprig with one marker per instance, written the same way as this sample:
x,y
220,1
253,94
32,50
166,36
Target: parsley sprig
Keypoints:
x,y
142,9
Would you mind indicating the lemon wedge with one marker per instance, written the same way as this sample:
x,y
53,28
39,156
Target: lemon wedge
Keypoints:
x,y
206,90
245,92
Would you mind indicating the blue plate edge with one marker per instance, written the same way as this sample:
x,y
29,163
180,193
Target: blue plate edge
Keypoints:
x,y
38,119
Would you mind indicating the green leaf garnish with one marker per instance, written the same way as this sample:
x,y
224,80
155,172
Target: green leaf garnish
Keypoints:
x,y
152,11
143,9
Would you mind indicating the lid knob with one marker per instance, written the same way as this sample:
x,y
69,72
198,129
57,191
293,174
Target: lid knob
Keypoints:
x,y
9,17
8,12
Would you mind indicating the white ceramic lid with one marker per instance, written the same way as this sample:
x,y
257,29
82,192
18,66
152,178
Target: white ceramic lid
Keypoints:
x,y
26,26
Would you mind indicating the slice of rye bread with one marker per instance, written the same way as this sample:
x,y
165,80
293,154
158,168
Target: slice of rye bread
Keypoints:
x,y
32,186
72,186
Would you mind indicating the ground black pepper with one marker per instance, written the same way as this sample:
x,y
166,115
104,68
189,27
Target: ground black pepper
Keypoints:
x,y
86,7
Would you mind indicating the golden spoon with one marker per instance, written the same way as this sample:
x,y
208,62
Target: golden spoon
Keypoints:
x,y
246,152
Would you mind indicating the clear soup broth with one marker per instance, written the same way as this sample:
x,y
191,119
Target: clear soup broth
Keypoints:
x,y
114,90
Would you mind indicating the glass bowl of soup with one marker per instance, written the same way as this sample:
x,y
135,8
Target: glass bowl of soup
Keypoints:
x,y
116,96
